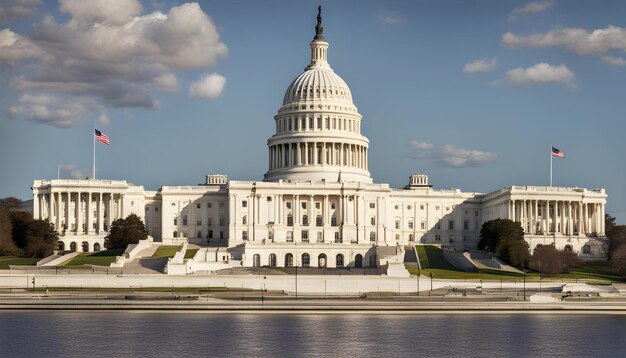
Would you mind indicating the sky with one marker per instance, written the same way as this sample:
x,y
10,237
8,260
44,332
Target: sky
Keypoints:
x,y
471,93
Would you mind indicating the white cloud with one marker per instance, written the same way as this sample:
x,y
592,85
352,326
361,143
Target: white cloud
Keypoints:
x,y
541,73
166,82
11,10
416,144
51,110
111,53
615,61
392,18
578,40
481,65
209,87
533,7
115,12
452,156
72,172
104,119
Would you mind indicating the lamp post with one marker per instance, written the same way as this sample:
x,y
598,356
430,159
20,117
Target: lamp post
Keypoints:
x,y
418,280
524,281
431,281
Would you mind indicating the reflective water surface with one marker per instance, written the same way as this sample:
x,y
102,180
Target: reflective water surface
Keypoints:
x,y
174,334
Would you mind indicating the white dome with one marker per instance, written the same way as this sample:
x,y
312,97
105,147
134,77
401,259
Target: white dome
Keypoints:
x,y
318,83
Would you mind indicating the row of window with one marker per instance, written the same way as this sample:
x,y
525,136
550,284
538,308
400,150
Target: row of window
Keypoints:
x,y
222,221
309,123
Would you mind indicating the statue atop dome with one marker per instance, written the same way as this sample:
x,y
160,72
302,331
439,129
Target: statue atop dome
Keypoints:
x,y
319,29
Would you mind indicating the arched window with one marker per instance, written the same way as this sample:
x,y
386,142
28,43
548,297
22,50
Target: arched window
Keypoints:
x,y
61,246
289,260
256,260
339,260
411,238
586,250
321,260
358,261
244,220
96,247
175,233
85,246
72,246
568,248
306,260
272,260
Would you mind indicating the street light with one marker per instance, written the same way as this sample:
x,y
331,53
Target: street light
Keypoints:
x,y
419,271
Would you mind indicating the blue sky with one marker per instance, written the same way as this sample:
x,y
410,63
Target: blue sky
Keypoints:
x,y
472,93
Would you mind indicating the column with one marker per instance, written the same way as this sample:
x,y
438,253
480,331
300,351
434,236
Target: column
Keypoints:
x,y
58,220
513,211
585,221
68,200
99,208
89,213
77,214
602,223
535,217
569,218
51,206
315,161
326,211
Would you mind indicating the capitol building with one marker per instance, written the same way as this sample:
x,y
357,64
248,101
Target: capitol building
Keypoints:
x,y
317,205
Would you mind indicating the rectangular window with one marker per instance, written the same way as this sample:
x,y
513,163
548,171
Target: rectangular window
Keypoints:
x,y
175,221
318,221
221,221
320,237
184,220
210,221
333,221
199,234
156,209
465,225
317,205
210,234
423,225
372,205
397,224
305,235
337,239
438,224
197,205
221,234
288,205
373,221
289,236
410,225
303,204
332,206
209,205
289,220
221,205
244,235
372,235
437,237
199,223
244,204
305,220
451,225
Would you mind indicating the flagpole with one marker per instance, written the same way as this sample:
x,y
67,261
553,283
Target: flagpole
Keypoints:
x,y
93,134
551,164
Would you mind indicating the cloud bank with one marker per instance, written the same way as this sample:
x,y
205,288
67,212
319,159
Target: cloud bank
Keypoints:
x,y
451,156
481,65
108,54
540,74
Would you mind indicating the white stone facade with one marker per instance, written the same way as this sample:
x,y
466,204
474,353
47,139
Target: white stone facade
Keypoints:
x,y
317,205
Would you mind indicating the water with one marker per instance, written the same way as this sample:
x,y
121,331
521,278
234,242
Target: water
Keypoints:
x,y
175,334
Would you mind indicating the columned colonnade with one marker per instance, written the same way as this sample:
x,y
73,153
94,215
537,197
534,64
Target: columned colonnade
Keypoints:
x,y
557,216
317,153
92,212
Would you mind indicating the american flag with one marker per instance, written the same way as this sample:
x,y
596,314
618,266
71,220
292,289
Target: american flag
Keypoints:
x,y
557,153
102,137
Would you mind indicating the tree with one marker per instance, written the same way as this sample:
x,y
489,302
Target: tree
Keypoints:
x,y
7,246
20,221
505,238
124,232
548,260
619,259
615,233
10,203
41,239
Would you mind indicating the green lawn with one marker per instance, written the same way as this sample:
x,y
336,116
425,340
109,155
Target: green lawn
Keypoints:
x,y
166,251
5,261
102,258
433,261
190,253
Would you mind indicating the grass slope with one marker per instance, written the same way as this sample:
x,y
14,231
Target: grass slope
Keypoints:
x,y
166,251
5,261
433,262
102,258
